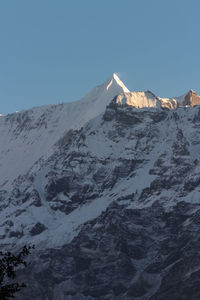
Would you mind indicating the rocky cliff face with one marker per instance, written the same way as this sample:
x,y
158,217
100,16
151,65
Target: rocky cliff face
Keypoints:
x,y
191,99
116,215
28,135
125,253
112,207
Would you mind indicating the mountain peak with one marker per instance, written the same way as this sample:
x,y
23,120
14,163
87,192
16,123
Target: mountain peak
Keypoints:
x,y
191,98
115,77
192,92
114,81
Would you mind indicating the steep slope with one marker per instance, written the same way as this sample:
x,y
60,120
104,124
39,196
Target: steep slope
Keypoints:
x,y
147,253
113,156
189,99
133,177
138,99
113,206
149,100
27,135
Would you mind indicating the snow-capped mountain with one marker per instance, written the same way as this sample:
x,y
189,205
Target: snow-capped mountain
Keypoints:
x,y
27,135
148,99
109,195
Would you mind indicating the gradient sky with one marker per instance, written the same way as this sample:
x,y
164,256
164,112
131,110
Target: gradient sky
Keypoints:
x,y
55,51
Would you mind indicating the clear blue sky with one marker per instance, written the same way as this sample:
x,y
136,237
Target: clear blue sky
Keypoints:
x,y
57,50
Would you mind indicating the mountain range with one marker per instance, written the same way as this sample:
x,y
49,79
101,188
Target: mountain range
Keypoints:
x,y
107,188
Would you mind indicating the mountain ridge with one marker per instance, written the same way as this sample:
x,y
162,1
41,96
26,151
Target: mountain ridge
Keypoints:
x,y
111,203
112,83
27,135
114,210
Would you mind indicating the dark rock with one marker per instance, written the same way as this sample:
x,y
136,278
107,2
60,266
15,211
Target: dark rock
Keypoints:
x,y
37,229
109,114
17,234
139,288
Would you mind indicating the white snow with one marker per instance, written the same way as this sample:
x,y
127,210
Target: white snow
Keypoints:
x,y
180,99
27,139
26,136
138,99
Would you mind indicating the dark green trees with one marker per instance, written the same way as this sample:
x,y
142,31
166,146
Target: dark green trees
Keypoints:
x,y
9,264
